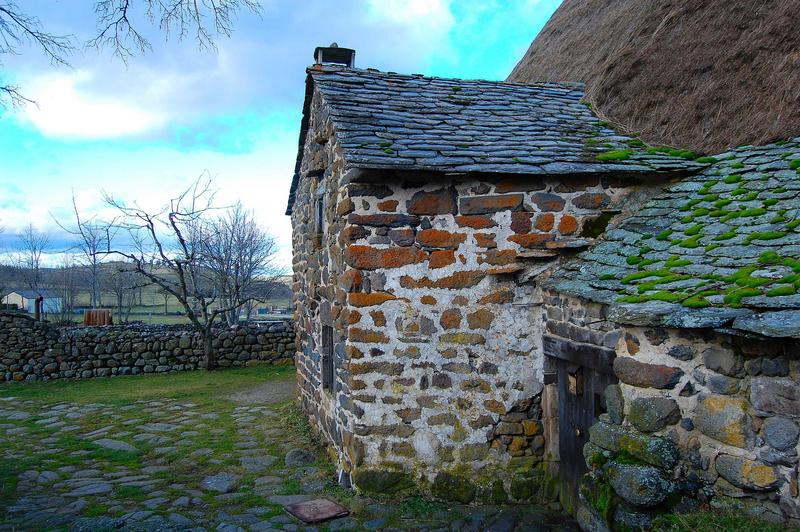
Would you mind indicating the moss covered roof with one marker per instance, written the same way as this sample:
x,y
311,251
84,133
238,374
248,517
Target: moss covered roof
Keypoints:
x,y
720,249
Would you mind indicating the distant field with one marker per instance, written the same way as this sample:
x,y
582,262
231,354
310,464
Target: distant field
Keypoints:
x,y
151,308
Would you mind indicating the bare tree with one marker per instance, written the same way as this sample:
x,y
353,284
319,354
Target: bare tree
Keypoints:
x,y
64,281
240,257
123,281
166,295
204,19
5,271
33,244
171,240
91,238
18,29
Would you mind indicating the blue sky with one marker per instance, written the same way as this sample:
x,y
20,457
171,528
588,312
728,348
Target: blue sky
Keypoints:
x,y
145,130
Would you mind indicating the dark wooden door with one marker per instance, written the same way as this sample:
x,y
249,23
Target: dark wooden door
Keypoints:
x,y
582,373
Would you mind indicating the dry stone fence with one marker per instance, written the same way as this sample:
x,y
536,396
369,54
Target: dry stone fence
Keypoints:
x,y
37,351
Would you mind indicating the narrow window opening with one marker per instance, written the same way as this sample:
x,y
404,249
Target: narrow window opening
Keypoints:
x,y
327,357
319,211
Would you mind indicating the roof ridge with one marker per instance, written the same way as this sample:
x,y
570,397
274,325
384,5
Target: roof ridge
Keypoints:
x,y
332,68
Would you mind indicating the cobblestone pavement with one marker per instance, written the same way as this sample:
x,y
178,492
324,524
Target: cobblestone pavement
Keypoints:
x,y
178,465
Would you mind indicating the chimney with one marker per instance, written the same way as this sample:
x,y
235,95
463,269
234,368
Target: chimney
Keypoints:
x,y
333,55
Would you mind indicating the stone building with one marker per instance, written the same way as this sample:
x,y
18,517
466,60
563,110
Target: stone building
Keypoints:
x,y
456,323
700,287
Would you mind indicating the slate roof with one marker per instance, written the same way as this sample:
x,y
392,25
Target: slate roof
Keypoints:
x,y
411,122
720,249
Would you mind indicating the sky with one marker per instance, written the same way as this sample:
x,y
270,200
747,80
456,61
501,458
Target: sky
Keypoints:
x,y
145,129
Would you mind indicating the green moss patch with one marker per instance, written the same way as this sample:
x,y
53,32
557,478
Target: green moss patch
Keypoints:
x,y
764,235
614,155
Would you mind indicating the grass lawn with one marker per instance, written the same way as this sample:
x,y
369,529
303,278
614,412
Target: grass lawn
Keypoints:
x,y
198,386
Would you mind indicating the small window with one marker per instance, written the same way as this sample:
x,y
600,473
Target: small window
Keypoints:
x,y
327,357
319,211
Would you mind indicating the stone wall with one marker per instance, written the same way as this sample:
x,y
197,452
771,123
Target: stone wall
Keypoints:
x,y
39,351
698,417
436,342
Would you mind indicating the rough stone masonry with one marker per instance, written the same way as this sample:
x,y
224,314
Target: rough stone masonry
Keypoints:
x,y
420,355
39,351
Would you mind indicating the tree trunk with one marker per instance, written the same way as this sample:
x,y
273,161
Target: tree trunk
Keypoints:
x,y
208,350
166,302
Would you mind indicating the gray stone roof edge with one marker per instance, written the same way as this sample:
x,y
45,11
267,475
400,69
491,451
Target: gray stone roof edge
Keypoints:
x,y
727,320
327,69
628,169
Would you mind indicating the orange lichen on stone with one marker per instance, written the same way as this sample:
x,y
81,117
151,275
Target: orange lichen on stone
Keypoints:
x,y
436,238
428,300
370,258
351,316
498,257
360,299
441,258
567,225
480,319
350,280
476,221
450,319
485,240
356,334
544,222
388,205
498,297
466,279
378,318
531,241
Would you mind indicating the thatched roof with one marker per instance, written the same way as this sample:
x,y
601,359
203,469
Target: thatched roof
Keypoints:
x,y
705,75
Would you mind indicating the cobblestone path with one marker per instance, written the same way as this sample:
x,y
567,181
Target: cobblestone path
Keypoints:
x,y
174,464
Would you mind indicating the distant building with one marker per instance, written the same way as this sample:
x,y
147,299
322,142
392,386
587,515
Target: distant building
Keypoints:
x,y
26,300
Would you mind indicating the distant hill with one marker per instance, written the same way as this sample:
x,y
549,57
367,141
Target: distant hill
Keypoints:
x,y
699,74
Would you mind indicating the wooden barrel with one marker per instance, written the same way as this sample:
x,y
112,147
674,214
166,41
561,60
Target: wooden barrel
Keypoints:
x,y
98,316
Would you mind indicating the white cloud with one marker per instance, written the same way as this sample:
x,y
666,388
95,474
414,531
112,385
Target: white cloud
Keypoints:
x,y
66,108
412,26
429,13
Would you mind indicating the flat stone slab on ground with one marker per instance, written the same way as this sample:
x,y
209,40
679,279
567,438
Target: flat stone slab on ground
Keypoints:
x,y
221,482
91,489
115,445
297,457
256,464
316,510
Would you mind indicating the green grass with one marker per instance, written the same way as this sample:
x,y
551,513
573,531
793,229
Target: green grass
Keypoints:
x,y
133,493
95,510
194,385
710,520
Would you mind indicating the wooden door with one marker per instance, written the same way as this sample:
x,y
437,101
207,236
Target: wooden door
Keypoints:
x,y
582,373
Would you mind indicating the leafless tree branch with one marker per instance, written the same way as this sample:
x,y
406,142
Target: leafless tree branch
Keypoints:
x,y
208,258
118,29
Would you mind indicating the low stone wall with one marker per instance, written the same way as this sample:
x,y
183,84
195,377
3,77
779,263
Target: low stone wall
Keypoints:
x,y
698,416
39,351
